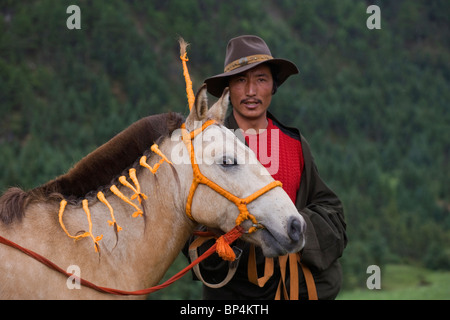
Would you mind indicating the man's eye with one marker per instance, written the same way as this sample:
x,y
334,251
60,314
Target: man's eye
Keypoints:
x,y
228,162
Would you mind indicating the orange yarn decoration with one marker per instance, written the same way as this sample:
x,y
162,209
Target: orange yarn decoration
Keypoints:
x,y
62,207
155,149
187,78
102,198
137,191
224,250
117,192
100,195
88,214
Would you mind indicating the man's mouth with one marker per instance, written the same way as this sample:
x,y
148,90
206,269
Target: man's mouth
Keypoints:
x,y
251,103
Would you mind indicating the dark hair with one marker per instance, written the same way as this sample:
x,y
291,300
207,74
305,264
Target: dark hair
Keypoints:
x,y
274,70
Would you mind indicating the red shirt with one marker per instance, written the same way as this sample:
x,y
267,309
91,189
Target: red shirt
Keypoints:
x,y
280,154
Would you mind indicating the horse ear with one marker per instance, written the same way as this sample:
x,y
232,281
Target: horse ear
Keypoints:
x,y
199,109
219,110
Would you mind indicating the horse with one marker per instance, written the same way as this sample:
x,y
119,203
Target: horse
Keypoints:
x,y
137,251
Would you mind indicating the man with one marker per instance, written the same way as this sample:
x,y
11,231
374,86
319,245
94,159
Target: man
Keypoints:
x,y
253,76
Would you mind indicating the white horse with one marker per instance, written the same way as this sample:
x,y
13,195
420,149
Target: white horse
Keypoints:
x,y
138,256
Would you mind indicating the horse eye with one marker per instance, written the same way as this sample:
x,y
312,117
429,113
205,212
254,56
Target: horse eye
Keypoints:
x,y
228,162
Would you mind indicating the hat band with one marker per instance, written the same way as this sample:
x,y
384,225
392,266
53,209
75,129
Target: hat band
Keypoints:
x,y
247,60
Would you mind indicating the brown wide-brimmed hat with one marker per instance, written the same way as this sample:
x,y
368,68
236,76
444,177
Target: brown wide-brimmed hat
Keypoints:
x,y
246,52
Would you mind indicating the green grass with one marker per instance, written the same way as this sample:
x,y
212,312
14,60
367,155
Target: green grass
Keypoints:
x,y
404,282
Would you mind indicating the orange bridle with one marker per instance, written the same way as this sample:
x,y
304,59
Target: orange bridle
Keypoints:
x,y
199,178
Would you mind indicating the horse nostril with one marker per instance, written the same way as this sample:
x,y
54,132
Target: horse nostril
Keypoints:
x,y
295,229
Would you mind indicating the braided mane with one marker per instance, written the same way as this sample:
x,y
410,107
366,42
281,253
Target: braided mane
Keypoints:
x,y
97,169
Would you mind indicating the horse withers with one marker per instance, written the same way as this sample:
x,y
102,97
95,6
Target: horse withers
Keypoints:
x,y
140,253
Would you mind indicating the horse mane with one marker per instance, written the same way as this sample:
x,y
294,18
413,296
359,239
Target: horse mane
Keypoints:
x,y
97,169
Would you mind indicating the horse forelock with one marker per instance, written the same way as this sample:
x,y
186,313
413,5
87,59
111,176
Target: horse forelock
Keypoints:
x,y
98,169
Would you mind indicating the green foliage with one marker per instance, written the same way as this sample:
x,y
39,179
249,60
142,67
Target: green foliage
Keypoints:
x,y
405,282
372,103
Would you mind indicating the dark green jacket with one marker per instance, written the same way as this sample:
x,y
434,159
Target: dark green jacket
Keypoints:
x,y
325,239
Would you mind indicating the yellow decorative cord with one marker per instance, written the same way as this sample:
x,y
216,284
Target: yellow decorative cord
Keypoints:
x,y
155,149
123,180
137,190
102,198
88,214
187,78
62,207
117,192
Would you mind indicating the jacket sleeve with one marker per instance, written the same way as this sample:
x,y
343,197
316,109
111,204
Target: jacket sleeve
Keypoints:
x,y
324,215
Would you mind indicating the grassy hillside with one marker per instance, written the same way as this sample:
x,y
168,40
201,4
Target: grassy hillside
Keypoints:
x,y
402,282
372,103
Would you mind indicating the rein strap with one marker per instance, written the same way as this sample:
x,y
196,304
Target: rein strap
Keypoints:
x,y
230,237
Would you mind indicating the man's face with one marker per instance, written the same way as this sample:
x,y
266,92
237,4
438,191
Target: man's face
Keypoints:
x,y
251,92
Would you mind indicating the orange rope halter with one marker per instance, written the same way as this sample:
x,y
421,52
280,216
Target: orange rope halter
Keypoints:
x,y
223,248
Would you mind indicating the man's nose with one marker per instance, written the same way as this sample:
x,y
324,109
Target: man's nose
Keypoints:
x,y
251,89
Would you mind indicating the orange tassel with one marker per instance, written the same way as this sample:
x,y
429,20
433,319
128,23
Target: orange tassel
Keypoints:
x,y
138,194
117,192
102,198
88,214
187,78
62,207
224,250
155,149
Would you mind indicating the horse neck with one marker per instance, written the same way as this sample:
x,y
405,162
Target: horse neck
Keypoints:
x,y
147,245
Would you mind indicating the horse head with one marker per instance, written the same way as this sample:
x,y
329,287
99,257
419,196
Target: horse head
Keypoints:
x,y
228,163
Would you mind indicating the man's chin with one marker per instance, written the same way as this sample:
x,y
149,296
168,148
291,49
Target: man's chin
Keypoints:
x,y
252,113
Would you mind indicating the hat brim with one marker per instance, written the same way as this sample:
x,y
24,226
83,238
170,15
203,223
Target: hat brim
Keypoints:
x,y
285,68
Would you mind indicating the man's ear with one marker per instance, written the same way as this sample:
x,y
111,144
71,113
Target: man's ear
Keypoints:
x,y
219,110
199,109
